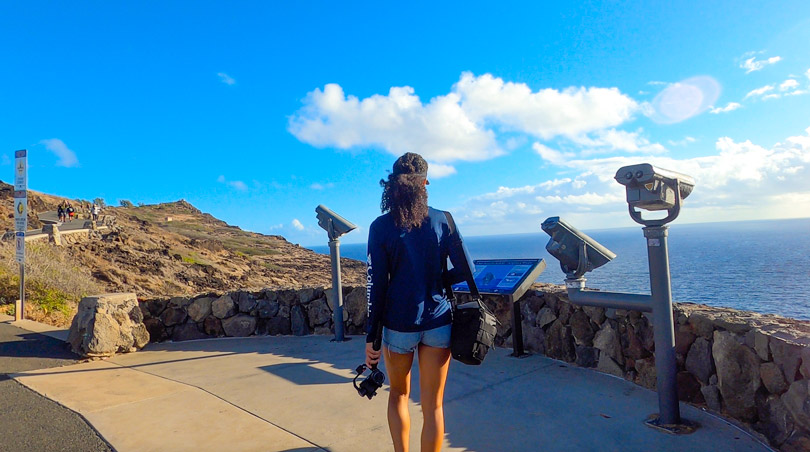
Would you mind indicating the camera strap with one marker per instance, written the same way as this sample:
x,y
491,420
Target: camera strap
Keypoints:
x,y
456,246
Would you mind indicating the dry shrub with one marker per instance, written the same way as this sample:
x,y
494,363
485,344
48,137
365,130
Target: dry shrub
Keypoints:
x,y
54,283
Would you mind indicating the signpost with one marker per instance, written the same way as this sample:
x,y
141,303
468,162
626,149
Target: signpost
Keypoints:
x,y
20,220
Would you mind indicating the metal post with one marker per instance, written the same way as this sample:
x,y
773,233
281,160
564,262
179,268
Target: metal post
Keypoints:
x,y
665,364
334,251
19,314
517,331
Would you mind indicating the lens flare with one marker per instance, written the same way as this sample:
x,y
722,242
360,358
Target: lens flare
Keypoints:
x,y
685,99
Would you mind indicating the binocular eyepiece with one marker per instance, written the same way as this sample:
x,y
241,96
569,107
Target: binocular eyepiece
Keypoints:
x,y
369,386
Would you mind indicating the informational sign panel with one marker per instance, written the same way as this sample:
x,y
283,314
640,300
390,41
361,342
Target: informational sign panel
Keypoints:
x,y
21,190
20,211
20,241
507,277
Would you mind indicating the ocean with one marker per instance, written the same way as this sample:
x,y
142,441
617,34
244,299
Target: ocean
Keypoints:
x,y
761,266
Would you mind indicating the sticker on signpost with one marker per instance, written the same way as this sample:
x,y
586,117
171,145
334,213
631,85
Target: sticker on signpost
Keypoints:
x,y
20,247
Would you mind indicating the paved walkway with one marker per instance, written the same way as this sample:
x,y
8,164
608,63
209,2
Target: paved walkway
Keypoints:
x,y
295,394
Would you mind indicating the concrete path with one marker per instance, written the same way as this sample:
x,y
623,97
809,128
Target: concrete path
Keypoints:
x,y
30,422
295,394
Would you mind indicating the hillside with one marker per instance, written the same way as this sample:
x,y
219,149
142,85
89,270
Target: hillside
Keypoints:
x,y
175,249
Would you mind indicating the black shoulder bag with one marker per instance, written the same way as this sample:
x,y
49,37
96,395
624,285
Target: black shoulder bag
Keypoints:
x,y
473,330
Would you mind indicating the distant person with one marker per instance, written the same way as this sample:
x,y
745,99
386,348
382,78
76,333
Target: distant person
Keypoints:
x,y
60,213
70,212
407,247
95,210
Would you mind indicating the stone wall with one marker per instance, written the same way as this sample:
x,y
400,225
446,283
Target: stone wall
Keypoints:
x,y
751,367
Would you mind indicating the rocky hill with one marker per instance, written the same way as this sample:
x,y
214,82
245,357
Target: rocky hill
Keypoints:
x,y
175,249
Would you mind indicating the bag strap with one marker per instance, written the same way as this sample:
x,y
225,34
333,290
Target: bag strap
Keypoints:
x,y
457,245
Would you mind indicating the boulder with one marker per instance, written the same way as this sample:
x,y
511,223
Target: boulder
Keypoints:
x,y
288,297
156,329
797,401
240,325
187,332
560,342
688,388
646,372
223,307
699,360
330,295
581,328
787,356
608,366
318,312
712,397
772,378
306,295
702,324
775,421
596,313
805,367
298,321
199,309
534,338
156,307
246,301
105,325
586,356
545,317
759,342
212,326
278,325
633,347
267,308
684,338
607,340
737,375
357,306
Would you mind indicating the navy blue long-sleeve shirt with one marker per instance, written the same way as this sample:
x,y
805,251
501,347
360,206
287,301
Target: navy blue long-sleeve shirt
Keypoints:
x,y
404,285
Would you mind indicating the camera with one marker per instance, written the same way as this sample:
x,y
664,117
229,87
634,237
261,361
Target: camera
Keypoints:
x,y
576,252
652,188
333,223
369,386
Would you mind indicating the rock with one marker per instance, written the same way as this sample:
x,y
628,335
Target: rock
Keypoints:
x,y
534,338
711,394
269,295
805,367
684,338
530,305
187,332
699,360
545,317
246,302
607,340
646,372
200,308
298,321
240,325
796,443
357,306
173,316
688,388
223,307
560,342
702,325
323,331
266,308
737,375
212,326
331,302
156,307
633,348
772,378
318,312
566,309
797,401
596,314
581,328
306,295
587,356
288,297
103,326
278,325
775,421
608,366
787,356
759,342
156,330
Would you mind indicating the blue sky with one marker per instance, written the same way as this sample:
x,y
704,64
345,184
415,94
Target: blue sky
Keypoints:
x,y
258,112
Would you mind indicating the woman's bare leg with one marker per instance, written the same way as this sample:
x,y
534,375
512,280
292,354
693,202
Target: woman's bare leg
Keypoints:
x,y
398,366
433,365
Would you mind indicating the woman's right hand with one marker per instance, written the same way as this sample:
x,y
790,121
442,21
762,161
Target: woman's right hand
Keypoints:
x,y
372,356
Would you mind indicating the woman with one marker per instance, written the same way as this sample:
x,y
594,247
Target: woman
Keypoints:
x,y
407,247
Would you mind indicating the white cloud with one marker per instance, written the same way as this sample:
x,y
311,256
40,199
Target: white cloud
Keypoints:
x,y
226,79
236,184
759,91
752,64
619,140
741,180
319,186
788,84
731,106
297,224
437,170
686,140
797,92
550,155
460,125
66,156
657,83
807,74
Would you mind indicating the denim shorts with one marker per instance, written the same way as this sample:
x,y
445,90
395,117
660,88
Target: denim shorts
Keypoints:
x,y
399,342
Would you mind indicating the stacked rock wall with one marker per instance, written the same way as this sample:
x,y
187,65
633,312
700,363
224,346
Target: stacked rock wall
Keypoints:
x,y
751,367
